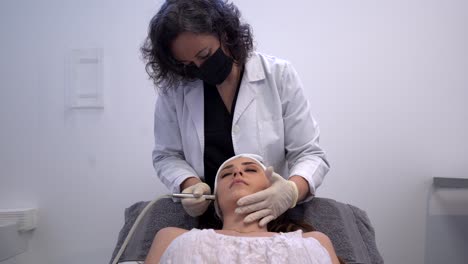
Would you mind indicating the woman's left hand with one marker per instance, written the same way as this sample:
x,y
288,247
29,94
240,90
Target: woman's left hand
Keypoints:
x,y
269,203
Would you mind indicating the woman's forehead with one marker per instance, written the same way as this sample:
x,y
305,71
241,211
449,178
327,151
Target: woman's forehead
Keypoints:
x,y
187,45
241,161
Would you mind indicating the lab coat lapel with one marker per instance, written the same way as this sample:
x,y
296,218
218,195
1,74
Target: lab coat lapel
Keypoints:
x,y
245,97
194,101
253,73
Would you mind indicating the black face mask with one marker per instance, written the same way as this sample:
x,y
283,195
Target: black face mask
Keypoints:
x,y
214,70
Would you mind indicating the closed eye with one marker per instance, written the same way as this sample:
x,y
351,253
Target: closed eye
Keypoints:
x,y
204,57
225,174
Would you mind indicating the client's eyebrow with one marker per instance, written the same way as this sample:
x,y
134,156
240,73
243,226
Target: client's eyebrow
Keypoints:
x,y
243,163
227,167
249,163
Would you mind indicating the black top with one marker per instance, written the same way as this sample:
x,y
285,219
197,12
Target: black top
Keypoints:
x,y
218,125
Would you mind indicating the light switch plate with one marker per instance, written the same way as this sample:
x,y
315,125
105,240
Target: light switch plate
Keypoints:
x,y
84,78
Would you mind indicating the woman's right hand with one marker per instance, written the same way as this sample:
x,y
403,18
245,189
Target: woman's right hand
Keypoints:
x,y
196,206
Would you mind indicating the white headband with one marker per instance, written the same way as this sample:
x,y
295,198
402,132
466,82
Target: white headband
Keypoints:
x,y
254,157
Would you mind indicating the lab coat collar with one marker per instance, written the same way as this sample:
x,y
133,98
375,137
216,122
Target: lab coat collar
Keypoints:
x,y
254,69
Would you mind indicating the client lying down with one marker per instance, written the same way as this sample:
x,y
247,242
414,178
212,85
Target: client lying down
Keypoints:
x,y
238,242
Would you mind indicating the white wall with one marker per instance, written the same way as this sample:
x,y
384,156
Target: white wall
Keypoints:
x,y
387,81
81,168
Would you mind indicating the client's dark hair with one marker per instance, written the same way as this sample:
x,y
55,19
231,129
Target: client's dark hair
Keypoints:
x,y
286,224
283,223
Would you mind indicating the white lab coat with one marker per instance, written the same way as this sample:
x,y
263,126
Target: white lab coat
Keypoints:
x,y
271,118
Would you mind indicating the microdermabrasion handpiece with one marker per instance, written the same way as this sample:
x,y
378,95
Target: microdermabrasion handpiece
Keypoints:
x,y
190,195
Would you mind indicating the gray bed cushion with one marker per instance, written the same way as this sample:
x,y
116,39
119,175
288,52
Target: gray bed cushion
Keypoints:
x,y
347,226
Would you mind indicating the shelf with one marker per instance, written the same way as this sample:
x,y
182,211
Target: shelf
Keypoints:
x,y
442,182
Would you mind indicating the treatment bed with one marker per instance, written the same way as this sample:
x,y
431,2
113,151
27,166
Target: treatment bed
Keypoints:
x,y
348,227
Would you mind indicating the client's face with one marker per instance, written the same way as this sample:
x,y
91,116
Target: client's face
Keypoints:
x,y
238,178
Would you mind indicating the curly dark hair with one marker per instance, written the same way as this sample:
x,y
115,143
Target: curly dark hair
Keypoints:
x,y
217,17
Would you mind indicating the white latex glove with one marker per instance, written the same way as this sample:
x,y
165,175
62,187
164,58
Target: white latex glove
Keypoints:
x,y
196,206
269,203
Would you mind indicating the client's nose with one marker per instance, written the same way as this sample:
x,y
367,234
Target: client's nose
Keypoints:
x,y
237,172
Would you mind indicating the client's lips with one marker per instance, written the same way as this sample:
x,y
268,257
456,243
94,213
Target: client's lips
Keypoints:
x,y
237,181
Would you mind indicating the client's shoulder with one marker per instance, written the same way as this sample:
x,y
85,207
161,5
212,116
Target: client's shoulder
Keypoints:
x,y
321,237
170,233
